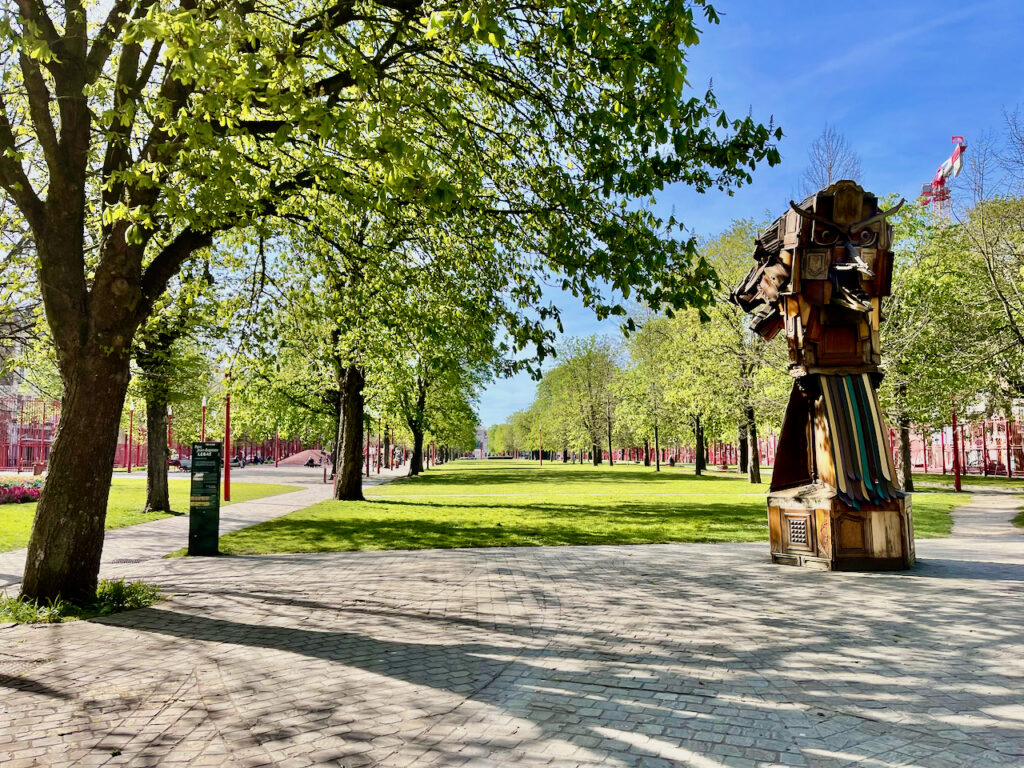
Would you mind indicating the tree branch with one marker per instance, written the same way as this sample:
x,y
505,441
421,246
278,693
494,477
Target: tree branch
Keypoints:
x,y
167,263
39,108
35,12
12,175
103,41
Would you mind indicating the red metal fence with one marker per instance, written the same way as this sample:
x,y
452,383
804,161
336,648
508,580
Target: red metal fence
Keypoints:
x,y
27,426
986,447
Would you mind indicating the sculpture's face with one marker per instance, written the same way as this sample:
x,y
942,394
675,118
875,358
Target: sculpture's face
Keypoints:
x,y
830,233
848,215
821,272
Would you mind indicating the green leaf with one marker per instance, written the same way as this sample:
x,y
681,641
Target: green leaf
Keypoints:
x,y
281,135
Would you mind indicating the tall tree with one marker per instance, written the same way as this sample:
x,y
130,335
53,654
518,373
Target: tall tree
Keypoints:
x,y
589,367
829,159
642,387
725,375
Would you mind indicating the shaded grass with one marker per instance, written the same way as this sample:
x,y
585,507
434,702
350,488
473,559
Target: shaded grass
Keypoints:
x,y
481,504
127,498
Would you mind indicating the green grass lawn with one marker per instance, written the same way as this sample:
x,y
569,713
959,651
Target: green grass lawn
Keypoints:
x,y
127,498
497,504
992,481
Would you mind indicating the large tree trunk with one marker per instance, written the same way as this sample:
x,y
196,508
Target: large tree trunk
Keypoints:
x,y
595,453
741,445
565,453
157,497
67,534
753,452
906,466
416,460
349,484
416,419
647,453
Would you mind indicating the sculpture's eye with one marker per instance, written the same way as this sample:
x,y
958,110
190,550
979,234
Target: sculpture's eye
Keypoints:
x,y
865,237
824,235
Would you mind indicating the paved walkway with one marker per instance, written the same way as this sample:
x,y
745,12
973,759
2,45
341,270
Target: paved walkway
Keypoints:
x,y
650,656
149,541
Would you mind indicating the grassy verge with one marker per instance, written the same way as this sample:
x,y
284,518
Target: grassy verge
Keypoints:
x,y
980,481
992,481
127,498
482,504
111,597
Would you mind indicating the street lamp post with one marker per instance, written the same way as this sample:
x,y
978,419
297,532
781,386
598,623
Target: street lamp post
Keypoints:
x,y
227,440
956,457
202,429
21,428
131,426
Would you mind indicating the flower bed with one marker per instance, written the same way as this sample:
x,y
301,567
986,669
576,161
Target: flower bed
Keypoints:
x,y
16,491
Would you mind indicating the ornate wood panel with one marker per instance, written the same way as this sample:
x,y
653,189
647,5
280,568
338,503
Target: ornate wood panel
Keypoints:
x,y
798,533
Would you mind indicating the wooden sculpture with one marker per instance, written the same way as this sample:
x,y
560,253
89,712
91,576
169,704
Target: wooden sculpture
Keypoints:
x,y
821,272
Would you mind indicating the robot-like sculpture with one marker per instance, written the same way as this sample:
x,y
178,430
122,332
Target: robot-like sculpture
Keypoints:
x,y
821,272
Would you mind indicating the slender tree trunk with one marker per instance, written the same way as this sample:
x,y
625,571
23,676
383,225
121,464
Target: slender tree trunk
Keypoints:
x,y
647,453
67,536
611,460
700,458
741,445
906,467
657,450
157,497
565,453
753,451
349,485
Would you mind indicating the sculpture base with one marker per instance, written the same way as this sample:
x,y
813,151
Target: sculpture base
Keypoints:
x,y
809,526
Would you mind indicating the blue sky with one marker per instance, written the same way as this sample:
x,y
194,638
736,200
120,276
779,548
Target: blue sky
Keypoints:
x,y
896,78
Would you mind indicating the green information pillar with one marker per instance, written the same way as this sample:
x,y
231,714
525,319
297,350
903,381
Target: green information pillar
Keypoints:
x,y
204,501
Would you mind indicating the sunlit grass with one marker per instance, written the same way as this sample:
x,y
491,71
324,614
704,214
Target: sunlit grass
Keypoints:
x,y
991,481
112,596
127,498
506,503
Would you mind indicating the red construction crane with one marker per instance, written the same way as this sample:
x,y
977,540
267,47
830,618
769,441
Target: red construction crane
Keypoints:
x,y
936,192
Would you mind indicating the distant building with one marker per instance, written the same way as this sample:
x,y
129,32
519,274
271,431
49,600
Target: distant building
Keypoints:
x,y
12,330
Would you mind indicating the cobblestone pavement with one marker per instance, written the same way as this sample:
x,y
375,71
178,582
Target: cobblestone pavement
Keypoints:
x,y
668,655
149,541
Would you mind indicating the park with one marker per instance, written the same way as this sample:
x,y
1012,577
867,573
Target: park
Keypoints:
x,y
432,384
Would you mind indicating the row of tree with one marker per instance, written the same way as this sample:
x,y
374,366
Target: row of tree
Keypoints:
x,y
432,165
952,335
686,379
